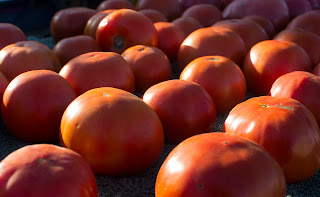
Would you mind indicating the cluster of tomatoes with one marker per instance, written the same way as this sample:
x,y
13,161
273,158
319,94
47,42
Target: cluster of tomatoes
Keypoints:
x,y
124,79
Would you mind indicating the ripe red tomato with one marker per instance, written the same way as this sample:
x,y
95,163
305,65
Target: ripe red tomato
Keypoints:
x,y
115,4
33,104
211,41
149,65
98,69
285,128
264,22
308,21
124,28
219,164
206,14
46,170
222,79
10,34
154,15
187,24
270,59
184,108
114,130
27,55
301,86
71,47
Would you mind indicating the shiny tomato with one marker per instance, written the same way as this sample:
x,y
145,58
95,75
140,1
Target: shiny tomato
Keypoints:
x,y
264,22
149,65
187,24
206,14
221,78
308,21
285,128
27,55
154,15
98,69
114,130
219,164
33,104
10,34
115,4
46,170
269,59
184,108
124,28
211,41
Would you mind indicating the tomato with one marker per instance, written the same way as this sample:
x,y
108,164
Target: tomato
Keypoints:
x,y
187,24
154,15
114,130
188,3
115,4
275,10
221,78
309,41
285,128
3,84
264,22
70,21
124,28
98,69
10,34
149,65
211,41
316,70
27,55
184,108
270,59
219,164
206,14
172,9
250,32
33,104
170,38
46,170
297,7
301,86
308,21
71,47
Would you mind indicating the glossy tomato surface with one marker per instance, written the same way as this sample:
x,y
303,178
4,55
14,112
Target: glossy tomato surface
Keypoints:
x,y
285,128
219,164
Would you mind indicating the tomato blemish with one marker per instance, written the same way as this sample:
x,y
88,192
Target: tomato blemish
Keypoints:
x,y
118,42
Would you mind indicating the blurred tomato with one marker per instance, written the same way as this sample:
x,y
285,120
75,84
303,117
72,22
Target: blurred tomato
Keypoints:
x,y
10,34
264,22
187,24
154,15
206,14
316,70
297,7
115,4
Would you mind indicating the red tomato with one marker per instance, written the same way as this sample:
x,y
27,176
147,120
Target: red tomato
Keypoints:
x,y
170,38
124,28
264,22
309,21
71,47
211,41
154,15
270,59
149,65
188,3
219,164
285,128
187,24
114,130
98,69
297,7
33,104
221,78
115,4
27,55
69,22
184,108
10,34
301,86
46,170
316,70
3,84
206,14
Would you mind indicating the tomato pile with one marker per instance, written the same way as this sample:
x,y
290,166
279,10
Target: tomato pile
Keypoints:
x,y
232,86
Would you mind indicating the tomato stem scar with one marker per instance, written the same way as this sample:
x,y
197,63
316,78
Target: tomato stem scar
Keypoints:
x,y
118,42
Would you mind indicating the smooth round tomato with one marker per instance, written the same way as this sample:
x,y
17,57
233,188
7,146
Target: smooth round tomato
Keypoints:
x,y
285,128
124,28
264,22
98,69
115,4
71,47
25,56
149,65
33,104
114,130
184,108
10,33
219,164
270,59
222,79
308,21
187,24
206,14
211,41
154,15
46,170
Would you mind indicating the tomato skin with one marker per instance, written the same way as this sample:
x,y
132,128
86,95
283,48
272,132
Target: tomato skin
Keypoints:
x,y
124,28
316,70
184,108
187,24
297,7
221,78
219,164
206,14
115,4
114,130
33,104
308,21
285,128
154,15
188,3
46,170
270,59
10,34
